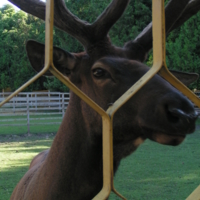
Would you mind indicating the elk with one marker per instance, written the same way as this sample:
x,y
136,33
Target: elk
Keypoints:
x,y
72,168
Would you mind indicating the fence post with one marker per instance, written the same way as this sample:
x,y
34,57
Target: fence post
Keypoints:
x,y
49,97
27,111
14,104
68,98
63,105
36,101
60,101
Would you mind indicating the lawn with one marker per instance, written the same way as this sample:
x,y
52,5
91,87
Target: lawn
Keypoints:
x,y
15,129
153,172
16,153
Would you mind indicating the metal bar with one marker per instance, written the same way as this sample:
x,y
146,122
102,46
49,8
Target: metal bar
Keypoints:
x,y
63,105
158,44
13,120
107,135
195,194
158,56
48,49
107,160
107,117
33,114
50,123
166,74
13,124
48,118
31,109
28,116
158,29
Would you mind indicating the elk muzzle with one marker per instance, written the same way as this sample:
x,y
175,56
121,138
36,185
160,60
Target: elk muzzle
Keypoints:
x,y
173,118
187,121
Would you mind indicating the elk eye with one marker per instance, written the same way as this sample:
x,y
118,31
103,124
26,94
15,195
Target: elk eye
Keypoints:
x,y
98,72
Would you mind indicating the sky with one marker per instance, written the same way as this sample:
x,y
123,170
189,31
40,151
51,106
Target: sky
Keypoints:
x,y
3,2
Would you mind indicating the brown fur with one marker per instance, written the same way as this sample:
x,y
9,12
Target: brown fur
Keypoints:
x,y
72,168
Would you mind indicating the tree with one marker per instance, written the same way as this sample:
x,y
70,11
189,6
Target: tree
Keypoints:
x,y
183,47
14,65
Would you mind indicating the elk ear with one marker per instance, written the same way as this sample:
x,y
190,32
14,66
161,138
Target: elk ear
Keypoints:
x,y
63,60
185,78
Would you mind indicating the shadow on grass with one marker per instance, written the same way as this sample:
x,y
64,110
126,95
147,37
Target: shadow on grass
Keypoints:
x,y
26,138
156,188
16,154
9,179
153,172
157,172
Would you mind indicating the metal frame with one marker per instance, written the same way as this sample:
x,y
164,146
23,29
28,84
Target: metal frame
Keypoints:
x,y
159,66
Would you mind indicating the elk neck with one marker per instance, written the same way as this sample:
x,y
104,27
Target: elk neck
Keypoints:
x,y
74,162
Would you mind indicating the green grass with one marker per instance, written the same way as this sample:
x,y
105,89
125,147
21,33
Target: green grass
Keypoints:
x,y
50,128
153,172
16,152
157,172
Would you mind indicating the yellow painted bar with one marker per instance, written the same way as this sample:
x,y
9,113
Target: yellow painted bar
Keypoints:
x,y
107,136
158,55
158,44
195,194
107,117
48,51
166,74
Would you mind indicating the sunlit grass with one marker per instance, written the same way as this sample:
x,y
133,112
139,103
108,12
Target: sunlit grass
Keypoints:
x,y
16,154
19,154
153,172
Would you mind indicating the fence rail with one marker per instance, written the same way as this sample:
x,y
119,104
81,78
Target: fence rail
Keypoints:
x,y
36,108
27,108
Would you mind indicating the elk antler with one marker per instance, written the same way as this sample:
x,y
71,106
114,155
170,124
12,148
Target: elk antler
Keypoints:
x,y
192,8
63,18
176,13
108,18
79,29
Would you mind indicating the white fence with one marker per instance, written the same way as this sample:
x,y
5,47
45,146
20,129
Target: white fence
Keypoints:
x,y
38,107
35,108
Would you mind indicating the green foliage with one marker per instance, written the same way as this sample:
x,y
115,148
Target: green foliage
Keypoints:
x,y
15,29
153,172
132,22
53,84
183,47
183,44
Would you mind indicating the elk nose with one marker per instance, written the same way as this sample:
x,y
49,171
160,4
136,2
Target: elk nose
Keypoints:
x,y
186,120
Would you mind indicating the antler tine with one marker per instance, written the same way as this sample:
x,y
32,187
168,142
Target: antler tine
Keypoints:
x,y
63,18
192,8
71,24
79,29
173,11
107,19
33,7
176,13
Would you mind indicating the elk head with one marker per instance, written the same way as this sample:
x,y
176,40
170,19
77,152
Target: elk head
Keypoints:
x,y
104,72
72,168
